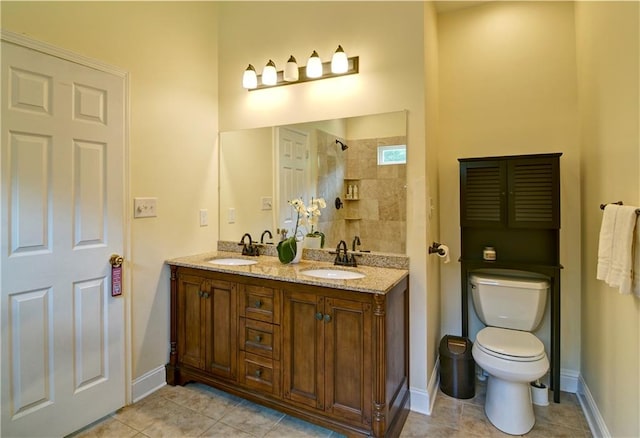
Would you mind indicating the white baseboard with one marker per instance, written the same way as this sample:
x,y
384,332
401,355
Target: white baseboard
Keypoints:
x,y
148,383
591,412
422,401
569,380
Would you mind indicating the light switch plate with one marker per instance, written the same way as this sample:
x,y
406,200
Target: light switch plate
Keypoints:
x,y
204,217
266,202
145,207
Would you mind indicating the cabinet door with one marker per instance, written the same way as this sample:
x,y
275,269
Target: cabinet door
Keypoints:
x,y
222,328
348,359
534,193
483,187
192,321
303,349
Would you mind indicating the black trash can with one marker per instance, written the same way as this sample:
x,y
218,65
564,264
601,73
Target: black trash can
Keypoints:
x,y
457,367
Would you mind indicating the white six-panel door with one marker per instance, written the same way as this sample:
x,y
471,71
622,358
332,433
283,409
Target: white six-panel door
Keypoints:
x,y
62,176
293,173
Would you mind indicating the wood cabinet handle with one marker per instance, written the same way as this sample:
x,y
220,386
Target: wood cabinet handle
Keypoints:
x,y
319,316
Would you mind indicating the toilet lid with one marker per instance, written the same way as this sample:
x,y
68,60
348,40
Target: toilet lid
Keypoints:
x,y
513,343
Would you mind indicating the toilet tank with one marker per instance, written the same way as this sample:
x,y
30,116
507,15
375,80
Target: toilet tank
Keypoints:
x,y
509,302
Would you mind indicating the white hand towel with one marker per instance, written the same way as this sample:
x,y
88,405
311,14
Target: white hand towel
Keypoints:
x,y
606,240
620,270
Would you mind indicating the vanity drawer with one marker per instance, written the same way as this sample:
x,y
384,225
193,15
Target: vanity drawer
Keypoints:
x,y
260,373
260,303
260,338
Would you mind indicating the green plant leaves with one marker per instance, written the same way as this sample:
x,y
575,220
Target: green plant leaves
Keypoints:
x,y
287,250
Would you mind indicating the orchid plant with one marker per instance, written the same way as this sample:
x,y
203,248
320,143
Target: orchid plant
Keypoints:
x,y
308,216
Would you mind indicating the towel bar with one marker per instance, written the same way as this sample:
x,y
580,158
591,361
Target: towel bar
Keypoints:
x,y
602,206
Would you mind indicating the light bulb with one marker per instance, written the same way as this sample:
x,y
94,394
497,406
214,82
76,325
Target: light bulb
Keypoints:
x,y
291,70
249,78
269,74
339,61
314,66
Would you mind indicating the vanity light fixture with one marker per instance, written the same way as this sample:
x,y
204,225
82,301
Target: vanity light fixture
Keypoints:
x,y
269,74
291,73
249,78
315,69
339,61
314,66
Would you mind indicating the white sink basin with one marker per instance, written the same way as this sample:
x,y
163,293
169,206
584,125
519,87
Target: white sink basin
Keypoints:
x,y
333,274
232,262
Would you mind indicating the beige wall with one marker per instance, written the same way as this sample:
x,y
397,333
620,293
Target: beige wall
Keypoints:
x,y
434,263
387,36
608,67
170,50
507,87
246,175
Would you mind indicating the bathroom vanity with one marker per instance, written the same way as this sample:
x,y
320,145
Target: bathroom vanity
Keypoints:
x,y
330,351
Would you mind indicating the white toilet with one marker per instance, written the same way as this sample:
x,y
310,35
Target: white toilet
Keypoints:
x,y
511,307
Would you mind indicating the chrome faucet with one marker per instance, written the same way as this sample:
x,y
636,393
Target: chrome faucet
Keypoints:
x,y
356,241
251,249
262,236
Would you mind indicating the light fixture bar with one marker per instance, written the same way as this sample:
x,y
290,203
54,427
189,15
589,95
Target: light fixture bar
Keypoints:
x,y
302,74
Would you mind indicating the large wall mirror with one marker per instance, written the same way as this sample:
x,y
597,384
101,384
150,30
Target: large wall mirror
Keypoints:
x,y
262,169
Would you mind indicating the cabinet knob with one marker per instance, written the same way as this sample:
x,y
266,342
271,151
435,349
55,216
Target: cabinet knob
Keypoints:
x,y
258,339
327,318
257,304
258,373
205,294
319,316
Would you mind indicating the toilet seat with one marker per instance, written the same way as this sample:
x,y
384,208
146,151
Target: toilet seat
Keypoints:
x,y
512,345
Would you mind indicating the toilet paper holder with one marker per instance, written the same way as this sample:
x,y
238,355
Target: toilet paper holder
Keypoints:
x,y
435,249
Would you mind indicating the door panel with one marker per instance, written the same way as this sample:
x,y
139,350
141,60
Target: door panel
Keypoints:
x,y
32,350
303,350
62,195
222,320
192,332
348,360
30,205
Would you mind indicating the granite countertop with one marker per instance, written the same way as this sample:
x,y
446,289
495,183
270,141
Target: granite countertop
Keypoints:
x,y
377,280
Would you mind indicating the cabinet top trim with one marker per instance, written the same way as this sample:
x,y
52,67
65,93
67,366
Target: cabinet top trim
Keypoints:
x,y
511,157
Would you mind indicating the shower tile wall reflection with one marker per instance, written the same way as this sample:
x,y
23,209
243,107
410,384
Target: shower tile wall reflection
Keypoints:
x,y
378,215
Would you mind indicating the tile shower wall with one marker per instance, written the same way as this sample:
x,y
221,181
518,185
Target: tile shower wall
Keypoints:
x,y
378,216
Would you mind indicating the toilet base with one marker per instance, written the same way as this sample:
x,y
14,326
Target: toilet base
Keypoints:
x,y
508,406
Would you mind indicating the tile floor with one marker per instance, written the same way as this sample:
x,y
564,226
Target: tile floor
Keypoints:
x,y
199,411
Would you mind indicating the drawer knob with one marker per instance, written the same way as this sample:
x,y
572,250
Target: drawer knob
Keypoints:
x,y
258,373
258,304
258,338
319,316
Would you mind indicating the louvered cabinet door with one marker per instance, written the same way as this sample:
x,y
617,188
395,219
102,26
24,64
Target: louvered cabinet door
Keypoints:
x,y
483,190
534,193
